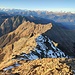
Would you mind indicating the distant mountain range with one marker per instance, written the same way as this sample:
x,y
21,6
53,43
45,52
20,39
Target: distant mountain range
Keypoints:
x,y
10,23
67,19
29,35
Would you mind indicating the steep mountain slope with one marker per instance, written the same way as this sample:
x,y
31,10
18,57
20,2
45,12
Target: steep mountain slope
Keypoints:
x,y
10,24
57,33
65,38
66,18
32,41
29,42
38,20
27,29
30,45
3,16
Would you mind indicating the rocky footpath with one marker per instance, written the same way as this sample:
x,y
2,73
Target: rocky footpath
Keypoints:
x,y
45,66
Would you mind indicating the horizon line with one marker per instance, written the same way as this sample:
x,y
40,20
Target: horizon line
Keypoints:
x,y
55,11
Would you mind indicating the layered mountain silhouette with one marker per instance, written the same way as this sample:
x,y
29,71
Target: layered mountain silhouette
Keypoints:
x,y
66,18
10,24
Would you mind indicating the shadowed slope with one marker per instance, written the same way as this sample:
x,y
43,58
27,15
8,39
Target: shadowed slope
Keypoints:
x,y
65,38
10,24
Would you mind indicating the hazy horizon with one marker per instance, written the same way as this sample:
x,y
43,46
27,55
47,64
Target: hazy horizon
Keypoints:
x,y
45,5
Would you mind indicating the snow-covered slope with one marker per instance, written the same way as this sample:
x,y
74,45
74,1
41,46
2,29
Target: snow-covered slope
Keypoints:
x,y
44,49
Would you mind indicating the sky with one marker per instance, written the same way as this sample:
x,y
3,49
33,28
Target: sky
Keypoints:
x,y
49,5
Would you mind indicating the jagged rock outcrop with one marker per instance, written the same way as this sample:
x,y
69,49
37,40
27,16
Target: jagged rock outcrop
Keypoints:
x,y
35,48
57,33
46,66
22,40
31,44
27,43
26,29
10,24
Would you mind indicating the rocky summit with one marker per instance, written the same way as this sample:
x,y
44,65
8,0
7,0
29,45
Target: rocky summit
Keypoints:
x,y
46,66
26,51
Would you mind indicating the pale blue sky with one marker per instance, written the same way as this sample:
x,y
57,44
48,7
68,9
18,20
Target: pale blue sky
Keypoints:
x,y
54,5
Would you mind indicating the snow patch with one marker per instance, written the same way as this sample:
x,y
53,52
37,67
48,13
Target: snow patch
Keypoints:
x,y
10,67
43,50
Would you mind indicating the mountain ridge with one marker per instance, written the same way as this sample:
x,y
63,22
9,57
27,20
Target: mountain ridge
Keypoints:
x,y
66,18
31,43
